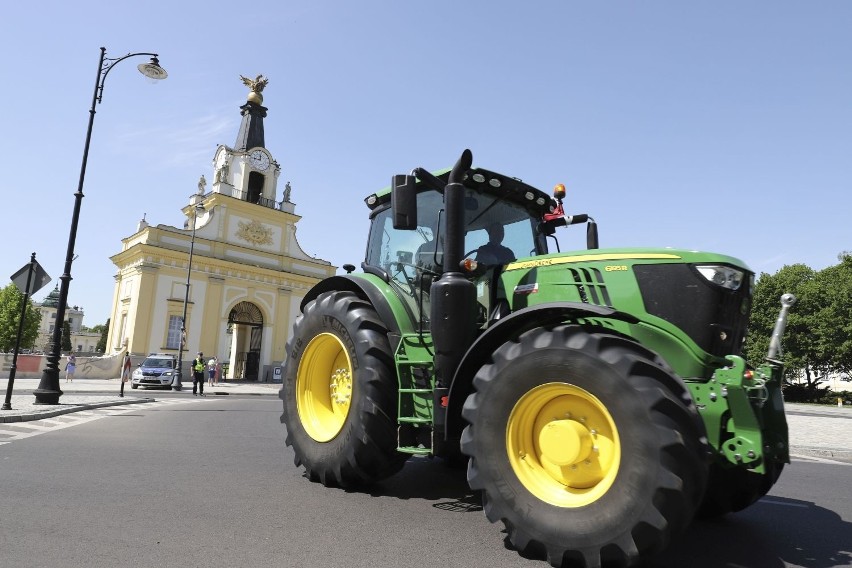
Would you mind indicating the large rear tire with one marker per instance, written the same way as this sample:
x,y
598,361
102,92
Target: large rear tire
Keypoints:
x,y
585,446
339,393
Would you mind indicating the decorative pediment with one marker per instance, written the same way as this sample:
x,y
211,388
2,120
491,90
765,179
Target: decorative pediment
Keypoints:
x,y
254,232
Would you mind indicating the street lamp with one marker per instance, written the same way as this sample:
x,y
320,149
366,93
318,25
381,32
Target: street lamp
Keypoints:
x,y
48,391
176,384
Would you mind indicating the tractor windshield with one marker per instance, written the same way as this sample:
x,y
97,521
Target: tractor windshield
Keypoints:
x,y
423,247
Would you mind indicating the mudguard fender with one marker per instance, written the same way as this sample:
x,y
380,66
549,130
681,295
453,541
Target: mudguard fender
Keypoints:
x,y
504,329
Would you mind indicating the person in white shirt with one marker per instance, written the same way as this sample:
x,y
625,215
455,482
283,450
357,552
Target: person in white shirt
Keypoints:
x,y
211,370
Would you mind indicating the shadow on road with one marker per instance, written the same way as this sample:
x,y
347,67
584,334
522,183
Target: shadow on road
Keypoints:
x,y
424,478
431,480
773,533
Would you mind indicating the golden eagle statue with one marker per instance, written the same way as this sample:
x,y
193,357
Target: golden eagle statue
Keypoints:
x,y
257,84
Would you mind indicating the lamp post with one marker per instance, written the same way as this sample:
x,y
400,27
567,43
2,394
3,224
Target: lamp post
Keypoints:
x,y
176,384
48,391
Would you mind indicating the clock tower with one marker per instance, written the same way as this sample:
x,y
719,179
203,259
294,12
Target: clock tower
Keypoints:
x,y
248,171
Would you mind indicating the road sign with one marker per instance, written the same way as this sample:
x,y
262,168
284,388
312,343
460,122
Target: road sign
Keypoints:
x,y
38,280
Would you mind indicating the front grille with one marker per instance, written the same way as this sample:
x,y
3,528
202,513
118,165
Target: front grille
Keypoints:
x,y
714,317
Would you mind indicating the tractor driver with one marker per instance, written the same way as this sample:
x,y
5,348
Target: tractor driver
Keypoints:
x,y
493,252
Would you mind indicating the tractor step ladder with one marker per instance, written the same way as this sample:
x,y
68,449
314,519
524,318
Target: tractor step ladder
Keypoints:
x,y
414,408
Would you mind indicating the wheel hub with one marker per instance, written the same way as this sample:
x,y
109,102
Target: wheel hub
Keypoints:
x,y
324,387
341,386
563,444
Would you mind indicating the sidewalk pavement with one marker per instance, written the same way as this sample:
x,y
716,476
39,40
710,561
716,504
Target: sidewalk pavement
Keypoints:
x,y
815,430
85,394
820,430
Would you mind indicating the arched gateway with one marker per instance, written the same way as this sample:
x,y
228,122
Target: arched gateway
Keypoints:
x,y
245,321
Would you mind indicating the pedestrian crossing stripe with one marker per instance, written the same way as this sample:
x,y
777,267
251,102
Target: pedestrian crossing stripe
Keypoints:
x,y
14,431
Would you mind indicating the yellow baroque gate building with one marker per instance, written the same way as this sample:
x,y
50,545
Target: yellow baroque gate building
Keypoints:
x,y
247,276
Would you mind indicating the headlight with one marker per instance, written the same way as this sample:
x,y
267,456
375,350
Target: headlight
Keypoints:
x,y
723,276
137,374
168,373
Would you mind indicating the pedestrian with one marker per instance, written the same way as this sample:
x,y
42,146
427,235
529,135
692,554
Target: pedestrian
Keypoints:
x,y
218,370
198,365
211,370
126,365
70,367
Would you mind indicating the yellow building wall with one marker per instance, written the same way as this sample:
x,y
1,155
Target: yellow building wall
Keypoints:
x,y
242,252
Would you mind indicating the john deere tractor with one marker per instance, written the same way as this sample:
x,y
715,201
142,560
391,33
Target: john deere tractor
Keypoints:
x,y
599,397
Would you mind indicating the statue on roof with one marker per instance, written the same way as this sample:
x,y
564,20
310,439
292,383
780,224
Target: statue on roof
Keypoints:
x,y
257,84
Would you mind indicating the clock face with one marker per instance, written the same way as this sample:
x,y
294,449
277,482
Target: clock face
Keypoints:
x,y
259,160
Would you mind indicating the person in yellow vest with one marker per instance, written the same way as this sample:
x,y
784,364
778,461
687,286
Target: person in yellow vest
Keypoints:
x,y
198,366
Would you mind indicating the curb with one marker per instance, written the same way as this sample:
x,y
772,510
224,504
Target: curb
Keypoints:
x,y
821,452
69,409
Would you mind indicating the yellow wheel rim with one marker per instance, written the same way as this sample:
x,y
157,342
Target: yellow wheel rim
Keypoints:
x,y
324,387
563,445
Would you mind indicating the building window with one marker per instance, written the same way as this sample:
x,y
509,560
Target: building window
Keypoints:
x,y
173,339
122,329
53,315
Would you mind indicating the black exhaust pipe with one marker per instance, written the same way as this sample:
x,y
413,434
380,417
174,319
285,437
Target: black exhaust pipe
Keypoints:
x,y
453,297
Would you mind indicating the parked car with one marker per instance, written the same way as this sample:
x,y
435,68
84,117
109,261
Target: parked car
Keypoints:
x,y
157,370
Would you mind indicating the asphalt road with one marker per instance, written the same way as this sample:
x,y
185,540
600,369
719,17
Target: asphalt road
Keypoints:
x,y
209,483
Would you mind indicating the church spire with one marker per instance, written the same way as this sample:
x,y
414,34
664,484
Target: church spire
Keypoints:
x,y
253,113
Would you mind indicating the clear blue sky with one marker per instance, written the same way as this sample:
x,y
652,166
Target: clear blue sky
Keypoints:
x,y
723,126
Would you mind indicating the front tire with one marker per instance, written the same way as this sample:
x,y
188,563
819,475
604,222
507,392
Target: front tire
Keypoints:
x,y
585,446
731,489
339,393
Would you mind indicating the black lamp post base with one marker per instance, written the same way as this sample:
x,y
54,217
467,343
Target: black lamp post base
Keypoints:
x,y
48,391
47,396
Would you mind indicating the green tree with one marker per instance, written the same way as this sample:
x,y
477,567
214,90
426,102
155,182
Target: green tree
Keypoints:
x,y
10,317
801,348
94,329
818,338
65,343
833,294
101,346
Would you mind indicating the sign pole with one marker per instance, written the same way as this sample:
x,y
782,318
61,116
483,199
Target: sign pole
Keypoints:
x,y
7,405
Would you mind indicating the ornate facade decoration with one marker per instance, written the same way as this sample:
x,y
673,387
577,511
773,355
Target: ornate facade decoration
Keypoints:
x,y
255,233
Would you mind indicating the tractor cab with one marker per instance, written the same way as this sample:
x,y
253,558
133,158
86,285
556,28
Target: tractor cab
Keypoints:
x,y
502,222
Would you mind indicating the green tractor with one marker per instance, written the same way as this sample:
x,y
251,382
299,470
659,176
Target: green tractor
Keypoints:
x,y
599,397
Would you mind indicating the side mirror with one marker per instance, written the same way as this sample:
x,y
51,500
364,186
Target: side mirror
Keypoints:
x,y
592,235
404,202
